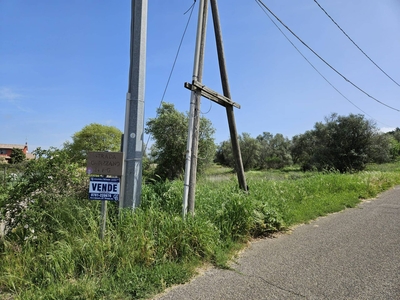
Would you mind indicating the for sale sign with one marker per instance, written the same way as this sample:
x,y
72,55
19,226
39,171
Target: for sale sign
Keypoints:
x,y
103,188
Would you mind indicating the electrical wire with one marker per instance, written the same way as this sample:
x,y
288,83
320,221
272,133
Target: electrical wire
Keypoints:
x,y
204,113
316,54
355,43
191,8
298,50
178,51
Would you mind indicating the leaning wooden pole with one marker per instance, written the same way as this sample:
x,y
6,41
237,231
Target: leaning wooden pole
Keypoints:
x,y
227,93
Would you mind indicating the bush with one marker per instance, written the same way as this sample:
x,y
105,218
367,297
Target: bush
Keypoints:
x,y
42,184
344,143
264,152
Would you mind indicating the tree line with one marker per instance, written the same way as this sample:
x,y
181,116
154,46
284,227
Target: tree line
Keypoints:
x,y
339,143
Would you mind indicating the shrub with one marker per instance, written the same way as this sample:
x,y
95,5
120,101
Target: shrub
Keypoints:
x,y
44,181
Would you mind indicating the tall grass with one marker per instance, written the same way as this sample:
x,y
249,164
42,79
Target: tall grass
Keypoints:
x,y
153,248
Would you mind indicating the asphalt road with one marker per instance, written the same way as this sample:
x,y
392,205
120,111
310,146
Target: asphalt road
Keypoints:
x,y
354,254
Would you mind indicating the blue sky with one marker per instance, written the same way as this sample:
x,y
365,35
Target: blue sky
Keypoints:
x,y
64,65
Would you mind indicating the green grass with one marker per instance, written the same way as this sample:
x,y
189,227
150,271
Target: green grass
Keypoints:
x,y
389,167
56,253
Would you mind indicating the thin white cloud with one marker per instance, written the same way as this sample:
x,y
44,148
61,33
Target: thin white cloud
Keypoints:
x,y
8,95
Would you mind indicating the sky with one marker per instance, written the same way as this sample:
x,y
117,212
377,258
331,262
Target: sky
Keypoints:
x,y
64,65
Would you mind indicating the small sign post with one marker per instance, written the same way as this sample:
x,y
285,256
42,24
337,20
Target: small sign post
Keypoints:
x,y
104,188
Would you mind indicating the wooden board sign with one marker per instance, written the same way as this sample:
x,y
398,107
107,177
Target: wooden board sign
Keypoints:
x,y
104,163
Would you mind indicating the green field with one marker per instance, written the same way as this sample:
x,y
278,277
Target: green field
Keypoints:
x,y
55,252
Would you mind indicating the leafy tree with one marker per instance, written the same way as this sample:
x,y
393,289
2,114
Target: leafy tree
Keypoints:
x,y
249,148
302,147
395,134
381,148
265,151
169,130
344,143
394,148
274,151
394,141
17,156
93,137
224,154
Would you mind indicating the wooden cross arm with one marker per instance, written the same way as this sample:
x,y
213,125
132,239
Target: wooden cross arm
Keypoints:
x,y
210,94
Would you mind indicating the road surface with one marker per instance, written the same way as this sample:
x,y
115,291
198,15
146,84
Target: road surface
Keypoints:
x,y
354,254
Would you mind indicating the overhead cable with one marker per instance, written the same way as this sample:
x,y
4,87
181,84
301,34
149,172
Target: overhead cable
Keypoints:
x,y
298,50
316,54
179,49
355,43
191,8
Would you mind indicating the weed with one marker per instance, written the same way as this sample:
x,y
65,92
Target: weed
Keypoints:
x,y
52,249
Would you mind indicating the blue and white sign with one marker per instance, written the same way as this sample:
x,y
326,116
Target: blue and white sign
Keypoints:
x,y
103,188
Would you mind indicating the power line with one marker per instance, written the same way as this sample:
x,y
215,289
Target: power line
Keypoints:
x,y
355,43
298,50
191,8
178,51
316,54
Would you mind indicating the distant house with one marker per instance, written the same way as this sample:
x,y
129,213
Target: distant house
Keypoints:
x,y
6,149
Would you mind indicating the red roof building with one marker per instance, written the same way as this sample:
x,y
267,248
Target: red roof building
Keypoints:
x,y
6,149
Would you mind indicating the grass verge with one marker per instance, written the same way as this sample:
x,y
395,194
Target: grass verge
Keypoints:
x,y
54,252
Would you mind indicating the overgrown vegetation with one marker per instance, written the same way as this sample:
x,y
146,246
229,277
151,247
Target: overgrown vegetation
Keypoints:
x,y
267,151
341,143
52,248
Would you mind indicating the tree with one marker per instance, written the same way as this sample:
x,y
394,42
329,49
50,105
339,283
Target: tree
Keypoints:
x,y
93,137
265,151
381,150
343,143
224,154
395,134
17,156
169,131
249,148
302,147
394,148
274,151
394,141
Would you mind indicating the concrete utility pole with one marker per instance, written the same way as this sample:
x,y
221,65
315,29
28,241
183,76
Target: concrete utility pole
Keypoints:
x,y
131,181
